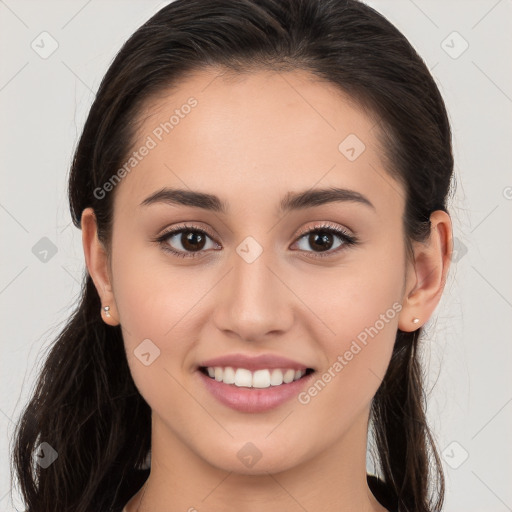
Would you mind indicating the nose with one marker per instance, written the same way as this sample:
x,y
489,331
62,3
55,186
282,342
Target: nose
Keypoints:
x,y
254,300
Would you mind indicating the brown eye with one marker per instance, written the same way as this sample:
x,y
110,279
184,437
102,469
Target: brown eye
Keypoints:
x,y
320,240
323,238
192,240
185,242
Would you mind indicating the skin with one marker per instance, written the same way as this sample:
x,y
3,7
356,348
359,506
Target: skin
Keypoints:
x,y
288,301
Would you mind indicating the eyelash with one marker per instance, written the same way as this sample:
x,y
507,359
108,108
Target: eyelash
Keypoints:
x,y
348,240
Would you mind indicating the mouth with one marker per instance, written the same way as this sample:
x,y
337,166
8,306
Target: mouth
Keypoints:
x,y
257,391
254,383
258,379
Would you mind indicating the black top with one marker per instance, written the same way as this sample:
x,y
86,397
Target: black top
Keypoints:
x,y
382,492
378,487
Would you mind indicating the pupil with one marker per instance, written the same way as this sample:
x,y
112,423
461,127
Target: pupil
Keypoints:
x,y
324,237
190,240
322,240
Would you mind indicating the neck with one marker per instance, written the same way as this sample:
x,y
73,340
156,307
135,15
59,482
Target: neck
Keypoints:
x,y
334,480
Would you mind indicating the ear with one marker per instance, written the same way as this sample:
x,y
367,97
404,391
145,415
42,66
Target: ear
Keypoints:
x,y
426,278
96,260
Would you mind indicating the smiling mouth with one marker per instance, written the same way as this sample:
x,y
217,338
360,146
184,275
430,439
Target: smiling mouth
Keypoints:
x,y
258,379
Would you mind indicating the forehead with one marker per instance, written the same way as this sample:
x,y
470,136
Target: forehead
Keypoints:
x,y
263,132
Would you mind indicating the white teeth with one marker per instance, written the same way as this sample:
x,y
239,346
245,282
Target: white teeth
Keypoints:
x,y
261,379
242,377
228,376
288,376
276,378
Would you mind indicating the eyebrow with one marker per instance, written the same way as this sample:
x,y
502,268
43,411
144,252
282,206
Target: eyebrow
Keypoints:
x,y
291,201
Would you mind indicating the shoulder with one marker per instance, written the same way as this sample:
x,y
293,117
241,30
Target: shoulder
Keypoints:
x,y
382,493
130,487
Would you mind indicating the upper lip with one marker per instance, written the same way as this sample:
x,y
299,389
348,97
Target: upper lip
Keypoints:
x,y
253,363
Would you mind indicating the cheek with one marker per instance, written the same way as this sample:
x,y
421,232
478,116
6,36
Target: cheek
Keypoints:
x,y
357,360
360,305
159,303
148,303
153,315
149,294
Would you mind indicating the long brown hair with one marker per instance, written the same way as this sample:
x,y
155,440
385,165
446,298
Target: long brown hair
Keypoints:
x,y
85,404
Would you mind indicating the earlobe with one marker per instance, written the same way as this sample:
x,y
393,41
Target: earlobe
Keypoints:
x,y
96,260
431,264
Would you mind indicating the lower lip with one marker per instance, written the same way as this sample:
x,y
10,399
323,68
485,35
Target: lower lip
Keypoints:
x,y
254,399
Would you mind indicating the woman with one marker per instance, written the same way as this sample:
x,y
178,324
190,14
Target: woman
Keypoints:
x,y
262,191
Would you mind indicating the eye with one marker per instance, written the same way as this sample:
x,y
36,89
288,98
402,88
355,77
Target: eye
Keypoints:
x,y
190,241
321,236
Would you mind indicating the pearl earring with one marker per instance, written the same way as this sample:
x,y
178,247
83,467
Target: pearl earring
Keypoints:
x,y
415,320
106,309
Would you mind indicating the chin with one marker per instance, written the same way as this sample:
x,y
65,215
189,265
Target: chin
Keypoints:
x,y
247,459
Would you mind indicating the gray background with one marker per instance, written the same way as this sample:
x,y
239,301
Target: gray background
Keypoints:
x,y
44,100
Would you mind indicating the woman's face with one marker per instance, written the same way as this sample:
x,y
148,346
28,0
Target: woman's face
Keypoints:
x,y
252,281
